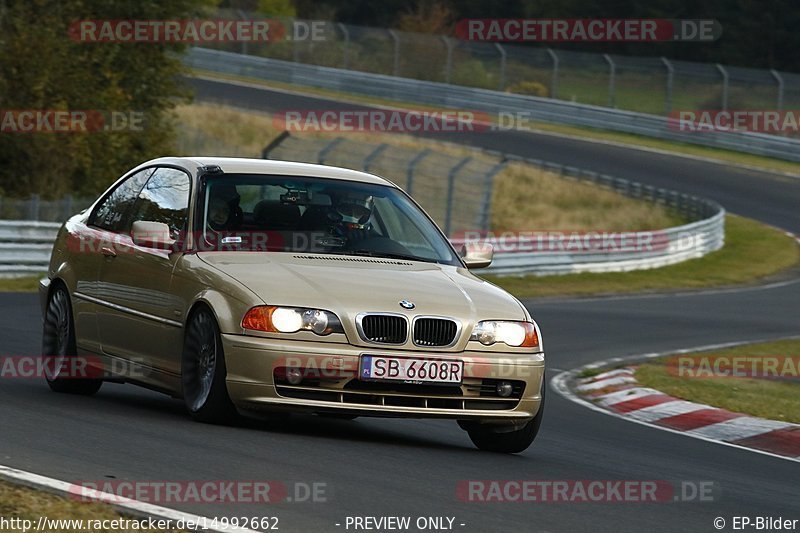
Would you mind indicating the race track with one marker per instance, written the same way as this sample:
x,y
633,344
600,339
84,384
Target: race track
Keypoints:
x,y
404,467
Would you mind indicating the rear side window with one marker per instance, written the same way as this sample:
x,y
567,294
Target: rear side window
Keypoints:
x,y
112,210
165,199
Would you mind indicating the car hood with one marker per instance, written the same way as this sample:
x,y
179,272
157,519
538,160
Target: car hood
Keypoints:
x,y
350,285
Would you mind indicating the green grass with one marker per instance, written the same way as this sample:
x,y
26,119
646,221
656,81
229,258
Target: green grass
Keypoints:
x,y
745,240
725,156
24,284
767,398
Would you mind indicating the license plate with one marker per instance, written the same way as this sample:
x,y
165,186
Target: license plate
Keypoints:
x,y
411,369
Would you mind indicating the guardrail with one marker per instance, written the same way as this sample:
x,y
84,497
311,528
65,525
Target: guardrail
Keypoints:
x,y
493,102
25,246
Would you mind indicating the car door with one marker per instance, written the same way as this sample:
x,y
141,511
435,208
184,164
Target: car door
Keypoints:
x,y
143,322
90,245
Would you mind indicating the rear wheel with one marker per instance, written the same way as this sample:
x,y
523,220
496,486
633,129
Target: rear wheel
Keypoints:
x,y
58,345
489,439
203,371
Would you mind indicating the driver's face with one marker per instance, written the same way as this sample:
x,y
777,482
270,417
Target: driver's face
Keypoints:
x,y
219,211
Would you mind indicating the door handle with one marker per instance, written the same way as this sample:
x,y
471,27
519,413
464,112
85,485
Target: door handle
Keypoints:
x,y
108,252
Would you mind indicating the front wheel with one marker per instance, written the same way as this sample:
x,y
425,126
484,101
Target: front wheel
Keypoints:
x,y
59,346
488,439
203,371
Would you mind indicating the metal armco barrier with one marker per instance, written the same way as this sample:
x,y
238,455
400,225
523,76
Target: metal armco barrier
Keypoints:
x,y
493,102
25,246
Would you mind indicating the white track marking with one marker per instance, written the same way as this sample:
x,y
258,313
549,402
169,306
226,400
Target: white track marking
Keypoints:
x,y
123,505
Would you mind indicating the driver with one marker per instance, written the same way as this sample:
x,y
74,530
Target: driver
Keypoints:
x,y
224,213
353,212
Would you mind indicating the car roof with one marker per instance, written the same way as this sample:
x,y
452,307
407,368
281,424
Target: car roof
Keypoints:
x,y
241,165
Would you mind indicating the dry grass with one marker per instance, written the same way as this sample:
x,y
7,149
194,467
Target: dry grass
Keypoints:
x,y
28,504
524,198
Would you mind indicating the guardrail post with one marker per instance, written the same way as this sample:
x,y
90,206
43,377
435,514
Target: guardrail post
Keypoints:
x,y
612,75
373,155
449,64
396,38
725,80
779,79
33,207
451,183
554,80
670,81
412,165
327,149
346,51
502,51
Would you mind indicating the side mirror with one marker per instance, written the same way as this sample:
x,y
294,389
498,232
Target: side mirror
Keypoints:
x,y
152,235
477,254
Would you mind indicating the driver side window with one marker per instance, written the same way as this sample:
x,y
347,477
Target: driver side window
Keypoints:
x,y
165,198
111,212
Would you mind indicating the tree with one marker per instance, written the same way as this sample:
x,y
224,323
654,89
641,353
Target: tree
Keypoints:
x,y
44,68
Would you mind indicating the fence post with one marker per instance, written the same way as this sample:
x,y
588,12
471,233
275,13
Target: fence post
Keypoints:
x,y
779,79
274,144
327,149
670,81
346,51
486,210
449,64
502,66
396,38
612,74
725,79
373,155
412,165
554,80
451,182
33,207
243,16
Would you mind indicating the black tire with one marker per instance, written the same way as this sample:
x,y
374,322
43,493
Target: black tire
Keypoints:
x,y
203,371
58,345
486,439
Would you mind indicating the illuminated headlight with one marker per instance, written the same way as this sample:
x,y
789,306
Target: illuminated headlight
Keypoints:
x,y
275,319
518,334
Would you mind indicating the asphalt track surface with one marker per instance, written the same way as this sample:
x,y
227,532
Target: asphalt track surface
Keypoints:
x,y
374,467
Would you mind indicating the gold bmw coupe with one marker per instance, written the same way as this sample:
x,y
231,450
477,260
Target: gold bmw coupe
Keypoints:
x,y
243,285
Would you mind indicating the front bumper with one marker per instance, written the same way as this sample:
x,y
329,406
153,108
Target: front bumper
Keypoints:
x,y
330,383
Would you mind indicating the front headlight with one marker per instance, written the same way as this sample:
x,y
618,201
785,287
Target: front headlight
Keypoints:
x,y
518,334
274,319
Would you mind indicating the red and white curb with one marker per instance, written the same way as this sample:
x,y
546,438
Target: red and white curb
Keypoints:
x,y
617,393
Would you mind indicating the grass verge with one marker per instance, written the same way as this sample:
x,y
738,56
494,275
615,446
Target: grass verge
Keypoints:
x,y
745,240
28,504
726,156
24,284
766,398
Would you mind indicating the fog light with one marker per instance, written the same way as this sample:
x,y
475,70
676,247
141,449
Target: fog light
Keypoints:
x,y
294,376
504,389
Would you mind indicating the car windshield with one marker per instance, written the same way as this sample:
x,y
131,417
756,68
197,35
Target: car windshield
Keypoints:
x,y
317,215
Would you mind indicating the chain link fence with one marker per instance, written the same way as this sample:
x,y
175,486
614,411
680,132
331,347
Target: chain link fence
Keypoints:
x,y
654,85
